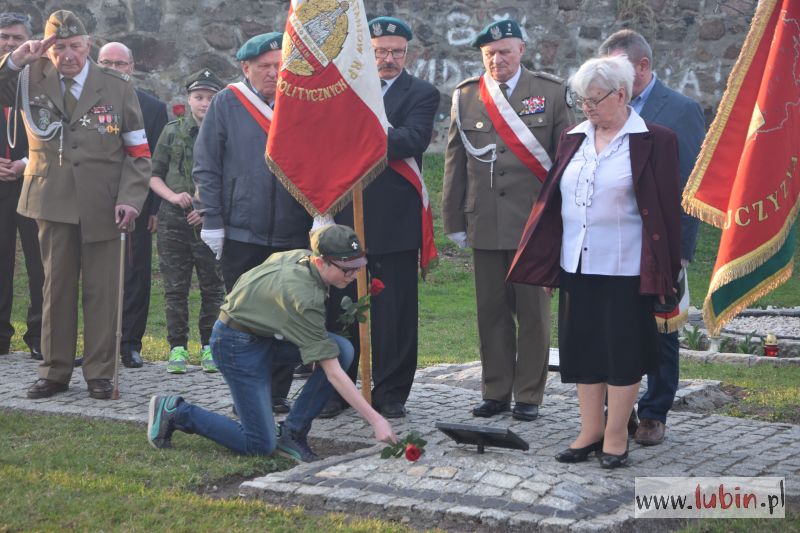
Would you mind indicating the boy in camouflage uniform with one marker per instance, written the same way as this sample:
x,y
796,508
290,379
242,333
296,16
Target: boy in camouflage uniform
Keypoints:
x,y
179,245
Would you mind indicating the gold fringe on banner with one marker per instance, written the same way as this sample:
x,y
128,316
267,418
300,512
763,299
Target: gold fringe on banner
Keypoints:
x,y
714,322
337,206
698,209
670,325
741,266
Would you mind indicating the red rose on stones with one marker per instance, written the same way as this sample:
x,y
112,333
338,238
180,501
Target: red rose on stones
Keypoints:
x,y
376,287
179,110
412,453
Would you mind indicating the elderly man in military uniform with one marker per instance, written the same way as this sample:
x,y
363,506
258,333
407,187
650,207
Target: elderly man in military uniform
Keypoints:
x,y
180,249
393,225
504,130
248,214
85,182
15,29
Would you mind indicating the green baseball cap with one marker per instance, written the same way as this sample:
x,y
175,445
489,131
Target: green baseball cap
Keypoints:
x,y
339,245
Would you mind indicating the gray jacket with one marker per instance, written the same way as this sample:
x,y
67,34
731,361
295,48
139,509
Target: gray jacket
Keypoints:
x,y
235,187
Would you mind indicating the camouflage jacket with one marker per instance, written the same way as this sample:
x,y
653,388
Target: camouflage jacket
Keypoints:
x,y
173,158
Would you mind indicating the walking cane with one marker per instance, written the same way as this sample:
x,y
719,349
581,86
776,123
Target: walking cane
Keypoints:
x,y
120,293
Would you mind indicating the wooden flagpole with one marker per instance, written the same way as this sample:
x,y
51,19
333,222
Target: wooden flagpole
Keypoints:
x,y
365,352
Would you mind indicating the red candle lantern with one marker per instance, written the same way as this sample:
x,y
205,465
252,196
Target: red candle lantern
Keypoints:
x,y
771,345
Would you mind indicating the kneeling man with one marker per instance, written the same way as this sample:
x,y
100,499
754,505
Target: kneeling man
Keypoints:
x,y
275,314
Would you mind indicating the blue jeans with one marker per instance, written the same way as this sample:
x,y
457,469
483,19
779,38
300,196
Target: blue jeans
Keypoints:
x,y
661,387
246,364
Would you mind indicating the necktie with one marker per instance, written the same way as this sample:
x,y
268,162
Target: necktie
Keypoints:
x,y
70,102
383,83
504,88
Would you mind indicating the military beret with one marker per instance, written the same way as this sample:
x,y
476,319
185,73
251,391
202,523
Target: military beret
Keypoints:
x,y
63,24
383,26
502,29
204,79
266,42
340,245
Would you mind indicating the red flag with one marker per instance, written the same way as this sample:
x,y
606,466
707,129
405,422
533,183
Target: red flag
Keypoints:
x,y
329,126
746,177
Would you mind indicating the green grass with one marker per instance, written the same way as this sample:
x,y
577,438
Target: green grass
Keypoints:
x,y
769,393
104,477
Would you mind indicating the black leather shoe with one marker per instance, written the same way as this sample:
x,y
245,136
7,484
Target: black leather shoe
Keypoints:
x,y
44,388
332,409
392,410
281,406
5,349
489,408
609,460
579,455
132,359
100,389
78,362
36,353
525,411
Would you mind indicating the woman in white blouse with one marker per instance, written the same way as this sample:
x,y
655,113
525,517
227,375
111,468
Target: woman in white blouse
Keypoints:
x,y
606,231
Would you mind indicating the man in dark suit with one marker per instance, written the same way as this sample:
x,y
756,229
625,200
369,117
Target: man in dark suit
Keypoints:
x,y
657,103
136,302
393,226
15,29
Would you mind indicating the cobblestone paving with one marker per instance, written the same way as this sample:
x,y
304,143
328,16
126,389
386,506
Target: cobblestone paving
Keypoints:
x,y
500,489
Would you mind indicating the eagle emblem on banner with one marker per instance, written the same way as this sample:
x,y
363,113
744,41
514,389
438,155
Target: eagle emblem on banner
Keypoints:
x,y
322,30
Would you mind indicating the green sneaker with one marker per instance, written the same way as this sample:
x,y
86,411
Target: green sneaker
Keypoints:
x,y
160,415
177,360
207,360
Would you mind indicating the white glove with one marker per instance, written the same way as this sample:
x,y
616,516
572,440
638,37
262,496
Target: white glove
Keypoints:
x,y
320,221
459,238
214,238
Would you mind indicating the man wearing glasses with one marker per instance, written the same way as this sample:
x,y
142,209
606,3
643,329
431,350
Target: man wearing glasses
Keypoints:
x,y
136,301
15,29
394,224
504,130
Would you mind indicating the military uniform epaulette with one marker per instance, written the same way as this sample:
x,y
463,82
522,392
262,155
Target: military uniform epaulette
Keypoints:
x,y
118,74
473,79
548,76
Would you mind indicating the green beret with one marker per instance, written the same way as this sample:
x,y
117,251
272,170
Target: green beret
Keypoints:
x,y
339,244
383,26
266,42
502,29
64,24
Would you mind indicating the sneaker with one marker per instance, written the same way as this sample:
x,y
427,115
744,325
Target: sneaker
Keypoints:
x,y
177,360
294,446
207,360
160,417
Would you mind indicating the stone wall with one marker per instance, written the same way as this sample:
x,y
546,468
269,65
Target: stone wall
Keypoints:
x,y
695,42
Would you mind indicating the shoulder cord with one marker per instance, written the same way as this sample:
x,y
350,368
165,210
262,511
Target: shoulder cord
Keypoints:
x,y
468,146
22,97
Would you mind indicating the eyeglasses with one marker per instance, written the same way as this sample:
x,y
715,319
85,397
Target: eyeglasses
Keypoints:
x,y
591,103
383,53
345,270
118,64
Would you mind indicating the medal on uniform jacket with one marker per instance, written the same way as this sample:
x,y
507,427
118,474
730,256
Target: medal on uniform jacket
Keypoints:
x,y
532,105
85,121
44,118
